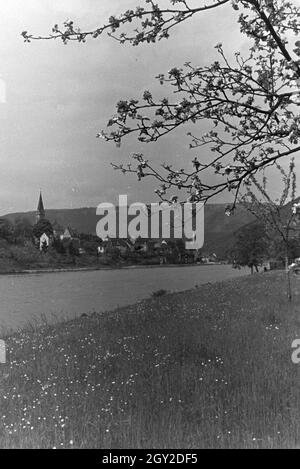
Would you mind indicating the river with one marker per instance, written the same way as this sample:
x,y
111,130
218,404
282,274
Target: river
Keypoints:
x,y
59,295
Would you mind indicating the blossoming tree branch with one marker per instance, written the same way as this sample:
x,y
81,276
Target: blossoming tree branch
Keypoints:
x,y
251,102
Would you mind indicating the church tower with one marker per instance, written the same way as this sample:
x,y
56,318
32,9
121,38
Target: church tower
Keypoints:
x,y
40,214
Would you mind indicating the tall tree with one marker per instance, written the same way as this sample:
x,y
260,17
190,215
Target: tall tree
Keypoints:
x,y
251,246
250,101
42,226
6,229
277,215
23,228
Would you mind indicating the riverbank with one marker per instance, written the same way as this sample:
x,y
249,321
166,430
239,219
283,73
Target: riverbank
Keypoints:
x,y
103,267
209,367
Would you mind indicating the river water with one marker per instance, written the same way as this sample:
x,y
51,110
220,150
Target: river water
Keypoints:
x,y
61,295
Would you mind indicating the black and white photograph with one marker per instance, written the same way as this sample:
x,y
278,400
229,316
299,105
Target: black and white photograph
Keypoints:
x,y
149,227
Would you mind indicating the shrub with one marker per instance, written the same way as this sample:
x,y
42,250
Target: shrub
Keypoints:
x,y
158,293
25,255
90,247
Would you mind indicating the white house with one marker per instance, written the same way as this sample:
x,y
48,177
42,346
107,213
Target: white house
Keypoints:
x,y
44,241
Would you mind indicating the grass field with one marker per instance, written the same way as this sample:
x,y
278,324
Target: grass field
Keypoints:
x,y
206,368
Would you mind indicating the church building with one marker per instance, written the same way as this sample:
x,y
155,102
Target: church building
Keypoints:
x,y
40,214
43,228
46,232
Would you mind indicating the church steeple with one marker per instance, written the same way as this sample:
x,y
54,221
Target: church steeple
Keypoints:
x,y
40,214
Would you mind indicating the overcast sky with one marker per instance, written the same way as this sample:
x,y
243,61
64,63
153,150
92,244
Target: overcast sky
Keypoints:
x,y
58,97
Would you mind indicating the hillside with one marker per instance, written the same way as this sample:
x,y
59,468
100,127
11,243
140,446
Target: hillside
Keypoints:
x,y
218,227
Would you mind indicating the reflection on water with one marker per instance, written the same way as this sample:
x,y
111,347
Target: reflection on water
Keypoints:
x,y
66,294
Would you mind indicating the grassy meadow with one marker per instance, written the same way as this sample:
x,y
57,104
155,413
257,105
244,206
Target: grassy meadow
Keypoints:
x,y
206,368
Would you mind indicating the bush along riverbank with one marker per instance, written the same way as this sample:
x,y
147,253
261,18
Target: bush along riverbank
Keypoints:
x,y
206,368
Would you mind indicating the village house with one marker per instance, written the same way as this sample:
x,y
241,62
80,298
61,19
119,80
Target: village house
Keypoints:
x,y
111,246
